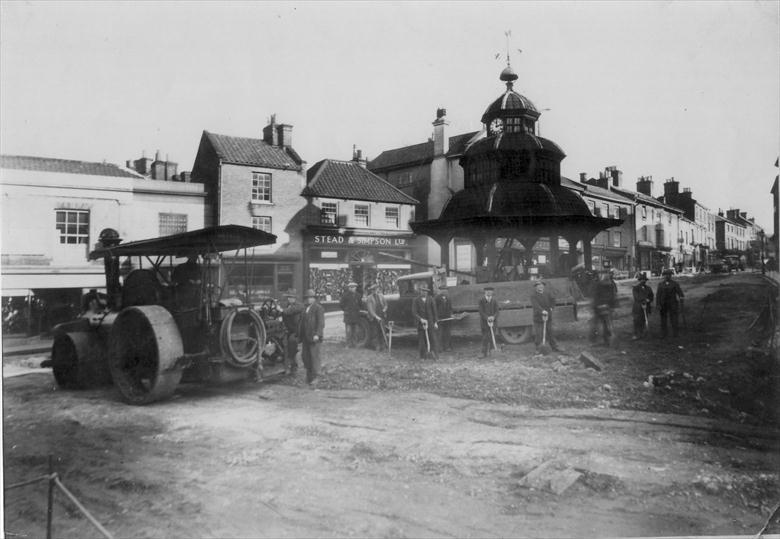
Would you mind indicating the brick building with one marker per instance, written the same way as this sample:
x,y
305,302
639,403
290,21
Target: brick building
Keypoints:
x,y
353,220
256,182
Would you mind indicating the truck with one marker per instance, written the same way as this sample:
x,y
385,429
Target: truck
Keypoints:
x,y
167,318
514,325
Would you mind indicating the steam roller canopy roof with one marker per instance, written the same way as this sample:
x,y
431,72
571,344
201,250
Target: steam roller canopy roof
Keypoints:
x,y
206,240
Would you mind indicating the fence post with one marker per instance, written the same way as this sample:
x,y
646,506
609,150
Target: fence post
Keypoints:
x,y
50,509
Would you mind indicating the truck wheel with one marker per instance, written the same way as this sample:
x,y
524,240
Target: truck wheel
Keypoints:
x,y
78,362
144,346
517,334
362,334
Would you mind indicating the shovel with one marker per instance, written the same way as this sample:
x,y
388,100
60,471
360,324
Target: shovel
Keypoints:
x,y
390,338
492,335
544,348
427,340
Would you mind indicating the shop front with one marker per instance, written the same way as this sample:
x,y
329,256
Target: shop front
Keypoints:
x,y
334,258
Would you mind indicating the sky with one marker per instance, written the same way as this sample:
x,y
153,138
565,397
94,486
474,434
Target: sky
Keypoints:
x,y
687,89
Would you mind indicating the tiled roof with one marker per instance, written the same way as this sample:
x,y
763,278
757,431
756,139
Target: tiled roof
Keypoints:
x,y
350,181
68,166
418,154
458,143
253,152
639,197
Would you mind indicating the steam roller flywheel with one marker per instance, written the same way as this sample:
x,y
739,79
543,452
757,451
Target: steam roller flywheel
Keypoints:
x,y
144,346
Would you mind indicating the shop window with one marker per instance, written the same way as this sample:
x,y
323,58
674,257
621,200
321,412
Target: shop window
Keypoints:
x,y
361,215
284,277
328,213
463,256
259,278
262,222
261,187
73,226
391,217
172,223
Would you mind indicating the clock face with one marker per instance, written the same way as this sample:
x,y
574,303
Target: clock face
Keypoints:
x,y
496,126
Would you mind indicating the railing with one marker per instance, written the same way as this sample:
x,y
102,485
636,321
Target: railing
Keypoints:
x,y
54,480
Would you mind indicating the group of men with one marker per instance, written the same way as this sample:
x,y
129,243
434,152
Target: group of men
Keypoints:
x,y
304,325
433,314
670,300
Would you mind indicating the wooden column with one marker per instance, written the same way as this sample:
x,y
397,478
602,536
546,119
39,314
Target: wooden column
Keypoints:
x,y
554,255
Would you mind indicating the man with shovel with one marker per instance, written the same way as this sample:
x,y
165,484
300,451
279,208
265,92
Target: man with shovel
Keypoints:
x,y
424,311
543,304
643,299
488,317
669,298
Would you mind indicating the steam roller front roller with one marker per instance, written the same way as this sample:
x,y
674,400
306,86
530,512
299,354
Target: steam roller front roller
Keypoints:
x,y
145,345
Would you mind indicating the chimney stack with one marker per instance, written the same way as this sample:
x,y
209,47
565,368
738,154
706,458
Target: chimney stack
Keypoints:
x,y
441,143
270,133
671,188
357,156
583,177
284,135
644,185
617,176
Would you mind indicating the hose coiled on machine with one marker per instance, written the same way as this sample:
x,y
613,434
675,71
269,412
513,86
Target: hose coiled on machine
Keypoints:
x,y
245,358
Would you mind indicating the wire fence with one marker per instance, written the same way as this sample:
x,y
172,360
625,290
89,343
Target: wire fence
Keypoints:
x,y
54,481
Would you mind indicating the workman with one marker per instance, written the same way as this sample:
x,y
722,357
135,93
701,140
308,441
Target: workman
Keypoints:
x,y
310,335
543,302
291,318
424,312
670,300
444,312
604,301
643,299
488,318
377,311
350,305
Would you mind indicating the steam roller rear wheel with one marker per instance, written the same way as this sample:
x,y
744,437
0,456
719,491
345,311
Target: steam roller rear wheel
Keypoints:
x,y
145,344
362,333
517,334
78,361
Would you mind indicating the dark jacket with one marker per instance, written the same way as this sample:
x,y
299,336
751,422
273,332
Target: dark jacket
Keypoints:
x,y
542,302
667,294
642,293
312,323
376,305
605,293
424,310
350,304
488,308
443,306
291,316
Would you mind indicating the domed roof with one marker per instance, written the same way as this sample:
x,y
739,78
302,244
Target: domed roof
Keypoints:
x,y
514,142
515,199
511,102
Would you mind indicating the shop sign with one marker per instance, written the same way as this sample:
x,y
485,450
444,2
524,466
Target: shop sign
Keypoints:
x,y
370,241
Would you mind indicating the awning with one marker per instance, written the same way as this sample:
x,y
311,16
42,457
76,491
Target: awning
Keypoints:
x,y
23,281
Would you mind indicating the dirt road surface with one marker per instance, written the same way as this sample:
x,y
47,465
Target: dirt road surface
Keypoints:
x,y
520,445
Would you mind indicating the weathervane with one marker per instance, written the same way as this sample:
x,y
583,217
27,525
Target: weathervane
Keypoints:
x,y
498,55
